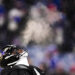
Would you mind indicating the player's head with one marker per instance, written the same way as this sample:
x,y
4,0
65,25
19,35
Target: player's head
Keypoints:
x,y
11,54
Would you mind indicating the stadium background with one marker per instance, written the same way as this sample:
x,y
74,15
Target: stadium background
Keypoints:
x,y
46,28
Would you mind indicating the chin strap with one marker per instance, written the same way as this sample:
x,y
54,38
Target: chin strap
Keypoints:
x,y
12,63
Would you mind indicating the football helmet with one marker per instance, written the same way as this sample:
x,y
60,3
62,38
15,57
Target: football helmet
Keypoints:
x,y
11,54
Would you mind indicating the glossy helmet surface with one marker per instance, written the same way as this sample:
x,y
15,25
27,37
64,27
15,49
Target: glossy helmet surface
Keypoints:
x,y
10,55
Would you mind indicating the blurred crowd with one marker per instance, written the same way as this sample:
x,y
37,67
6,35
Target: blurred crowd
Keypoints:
x,y
46,28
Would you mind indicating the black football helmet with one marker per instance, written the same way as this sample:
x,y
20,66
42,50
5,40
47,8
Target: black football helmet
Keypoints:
x,y
10,55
